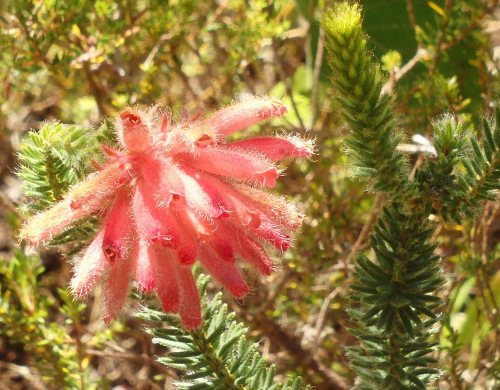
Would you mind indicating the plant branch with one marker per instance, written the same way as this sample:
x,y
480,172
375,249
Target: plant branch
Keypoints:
x,y
304,357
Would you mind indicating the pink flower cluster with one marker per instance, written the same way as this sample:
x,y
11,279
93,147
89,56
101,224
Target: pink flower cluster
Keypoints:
x,y
174,194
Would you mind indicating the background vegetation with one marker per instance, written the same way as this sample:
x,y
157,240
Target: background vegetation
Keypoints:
x,y
78,61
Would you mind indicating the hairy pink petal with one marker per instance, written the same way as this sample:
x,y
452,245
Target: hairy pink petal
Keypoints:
x,y
45,225
237,206
93,193
165,123
252,252
198,135
84,199
271,233
188,249
226,273
276,208
189,302
90,267
145,266
115,291
167,285
162,178
275,148
171,187
243,114
216,199
187,252
133,131
199,226
116,242
234,164
197,199
153,223
221,243
111,153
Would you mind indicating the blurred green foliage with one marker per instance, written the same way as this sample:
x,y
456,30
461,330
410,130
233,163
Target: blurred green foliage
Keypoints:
x,y
127,52
27,318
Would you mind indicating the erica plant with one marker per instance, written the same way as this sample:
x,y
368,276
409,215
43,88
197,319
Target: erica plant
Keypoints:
x,y
169,221
172,194
395,290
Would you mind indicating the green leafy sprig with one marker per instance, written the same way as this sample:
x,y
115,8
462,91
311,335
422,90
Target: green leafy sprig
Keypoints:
x,y
218,355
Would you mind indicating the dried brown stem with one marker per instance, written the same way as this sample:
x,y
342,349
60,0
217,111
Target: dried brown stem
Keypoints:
x,y
444,25
304,357
372,217
419,55
320,321
413,21
288,87
492,4
317,69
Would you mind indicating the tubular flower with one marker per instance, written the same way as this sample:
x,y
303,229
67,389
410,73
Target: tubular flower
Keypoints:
x,y
174,194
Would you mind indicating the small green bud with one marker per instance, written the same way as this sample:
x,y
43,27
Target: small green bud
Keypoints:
x,y
391,61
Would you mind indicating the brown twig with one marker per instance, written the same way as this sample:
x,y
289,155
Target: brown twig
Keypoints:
x,y
413,21
491,208
317,70
97,91
442,45
366,228
420,54
304,357
472,25
488,222
320,321
444,25
288,87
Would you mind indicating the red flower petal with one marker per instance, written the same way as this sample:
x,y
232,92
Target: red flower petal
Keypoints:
x,y
153,223
274,207
197,199
116,242
115,291
215,196
45,225
162,178
221,243
133,131
226,273
189,305
271,233
188,249
90,267
167,285
165,123
237,206
274,148
145,266
233,164
93,193
243,114
84,199
252,252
